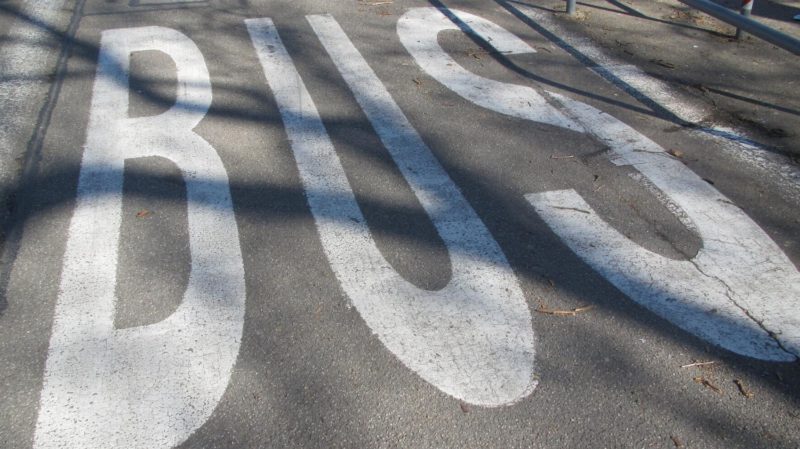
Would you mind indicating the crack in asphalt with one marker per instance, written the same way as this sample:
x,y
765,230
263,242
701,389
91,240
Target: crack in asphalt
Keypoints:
x,y
729,294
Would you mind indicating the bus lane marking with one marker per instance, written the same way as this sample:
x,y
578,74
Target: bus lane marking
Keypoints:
x,y
149,386
739,292
473,339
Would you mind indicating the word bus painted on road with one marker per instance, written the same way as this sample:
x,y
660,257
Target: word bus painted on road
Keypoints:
x,y
472,339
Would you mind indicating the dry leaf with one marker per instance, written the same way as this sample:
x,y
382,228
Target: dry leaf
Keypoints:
x,y
742,389
676,153
676,441
464,407
572,209
144,213
705,382
570,312
697,364
663,63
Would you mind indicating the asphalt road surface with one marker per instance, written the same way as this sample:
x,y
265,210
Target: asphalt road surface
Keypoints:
x,y
246,224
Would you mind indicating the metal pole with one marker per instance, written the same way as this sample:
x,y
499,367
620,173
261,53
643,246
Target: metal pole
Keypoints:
x,y
571,7
746,24
747,8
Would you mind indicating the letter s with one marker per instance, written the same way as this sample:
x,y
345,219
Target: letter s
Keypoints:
x,y
739,292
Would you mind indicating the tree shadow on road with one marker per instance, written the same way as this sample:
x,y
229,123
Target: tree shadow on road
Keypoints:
x,y
304,362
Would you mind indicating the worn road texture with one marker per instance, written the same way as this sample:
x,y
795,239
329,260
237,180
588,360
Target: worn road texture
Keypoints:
x,y
408,223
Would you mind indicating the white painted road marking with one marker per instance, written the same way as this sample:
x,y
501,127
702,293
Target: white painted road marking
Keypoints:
x,y
418,30
472,339
735,292
149,386
738,292
153,386
631,78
